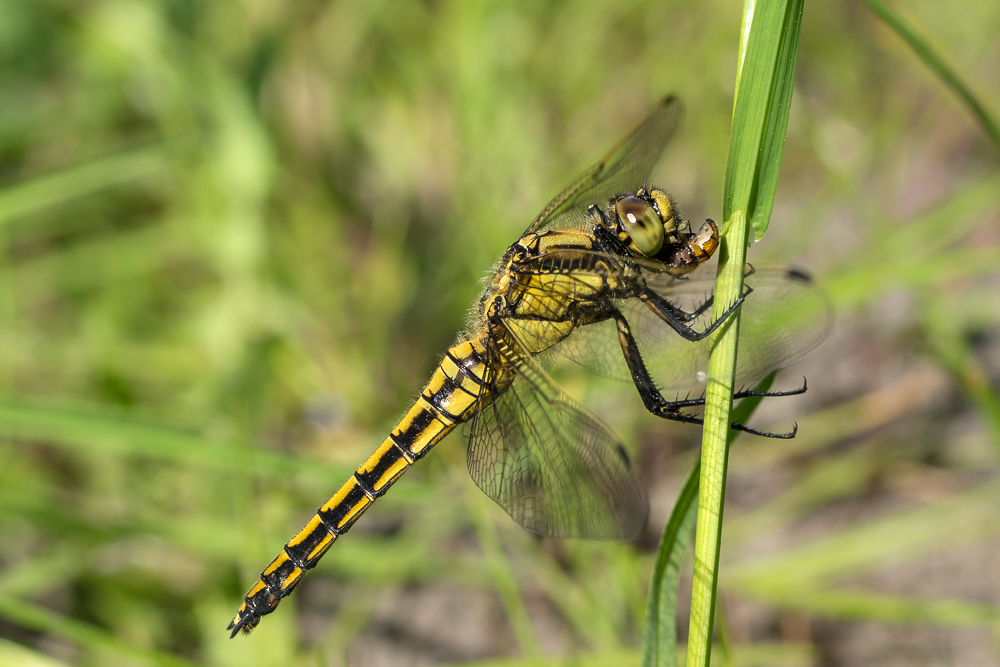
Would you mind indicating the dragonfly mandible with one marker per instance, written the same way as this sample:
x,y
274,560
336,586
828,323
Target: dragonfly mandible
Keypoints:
x,y
605,276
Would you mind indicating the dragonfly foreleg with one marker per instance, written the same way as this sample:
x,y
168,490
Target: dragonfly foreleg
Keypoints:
x,y
700,310
677,318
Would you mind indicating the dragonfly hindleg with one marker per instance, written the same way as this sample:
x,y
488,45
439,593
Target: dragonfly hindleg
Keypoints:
x,y
745,393
766,434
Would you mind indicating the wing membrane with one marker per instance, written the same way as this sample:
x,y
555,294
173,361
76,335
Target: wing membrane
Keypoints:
x,y
784,317
624,168
551,464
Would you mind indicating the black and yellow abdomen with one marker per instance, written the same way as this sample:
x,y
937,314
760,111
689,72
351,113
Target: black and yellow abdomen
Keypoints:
x,y
450,398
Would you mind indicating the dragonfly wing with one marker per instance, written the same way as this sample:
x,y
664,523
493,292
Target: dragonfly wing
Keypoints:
x,y
784,318
624,168
596,348
552,464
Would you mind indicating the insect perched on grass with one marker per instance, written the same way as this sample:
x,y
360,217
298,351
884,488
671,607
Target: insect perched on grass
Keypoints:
x,y
603,276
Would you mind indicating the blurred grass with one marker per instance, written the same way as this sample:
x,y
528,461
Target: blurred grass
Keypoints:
x,y
237,236
922,48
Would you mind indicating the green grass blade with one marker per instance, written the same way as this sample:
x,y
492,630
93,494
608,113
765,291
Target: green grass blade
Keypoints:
x,y
874,607
15,654
504,581
659,646
759,654
937,65
968,517
89,428
947,344
745,24
24,198
760,119
87,636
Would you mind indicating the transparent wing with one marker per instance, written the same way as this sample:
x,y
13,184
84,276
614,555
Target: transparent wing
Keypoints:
x,y
624,168
552,464
784,318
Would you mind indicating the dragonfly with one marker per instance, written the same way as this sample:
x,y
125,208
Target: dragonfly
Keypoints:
x,y
604,276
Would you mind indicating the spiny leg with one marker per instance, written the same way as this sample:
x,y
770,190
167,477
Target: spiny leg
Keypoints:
x,y
651,397
686,316
677,318
745,393
742,393
700,310
659,406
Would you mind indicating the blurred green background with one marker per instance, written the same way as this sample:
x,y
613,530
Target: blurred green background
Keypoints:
x,y
236,237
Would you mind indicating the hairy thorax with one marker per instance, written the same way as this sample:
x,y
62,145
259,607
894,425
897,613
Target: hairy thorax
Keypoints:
x,y
549,283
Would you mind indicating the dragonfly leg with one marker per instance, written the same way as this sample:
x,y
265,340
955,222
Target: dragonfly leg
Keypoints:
x,y
651,397
700,310
659,406
744,393
748,271
677,319
766,434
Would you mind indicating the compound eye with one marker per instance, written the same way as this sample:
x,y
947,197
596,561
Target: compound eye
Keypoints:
x,y
641,223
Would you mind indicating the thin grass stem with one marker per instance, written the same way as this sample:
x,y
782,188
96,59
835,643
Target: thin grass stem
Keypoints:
x,y
760,118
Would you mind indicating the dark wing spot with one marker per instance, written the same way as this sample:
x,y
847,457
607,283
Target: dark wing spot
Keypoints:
x,y
622,453
799,275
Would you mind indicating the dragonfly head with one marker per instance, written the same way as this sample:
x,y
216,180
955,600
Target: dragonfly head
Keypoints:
x,y
649,225
647,220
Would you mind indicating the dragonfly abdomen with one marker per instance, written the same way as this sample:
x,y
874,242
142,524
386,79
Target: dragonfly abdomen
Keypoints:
x,y
450,397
